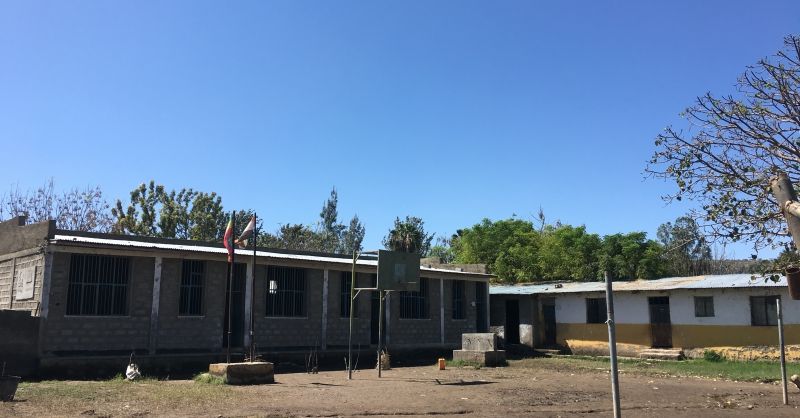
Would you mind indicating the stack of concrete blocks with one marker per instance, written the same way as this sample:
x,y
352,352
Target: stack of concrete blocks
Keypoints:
x,y
480,348
255,373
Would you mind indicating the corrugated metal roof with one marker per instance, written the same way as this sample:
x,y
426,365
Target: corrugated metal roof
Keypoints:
x,y
58,239
725,281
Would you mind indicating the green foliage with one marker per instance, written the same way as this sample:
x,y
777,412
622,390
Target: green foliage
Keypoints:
x,y
188,214
516,251
353,236
631,256
443,251
409,235
686,251
209,379
711,355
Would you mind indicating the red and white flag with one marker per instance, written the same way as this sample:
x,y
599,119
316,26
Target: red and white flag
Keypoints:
x,y
248,232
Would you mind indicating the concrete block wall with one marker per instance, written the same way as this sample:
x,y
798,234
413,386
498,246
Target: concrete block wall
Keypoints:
x,y
338,326
406,332
9,276
64,333
453,328
200,333
291,332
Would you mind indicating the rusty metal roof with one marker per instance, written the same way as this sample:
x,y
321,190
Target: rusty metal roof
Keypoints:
x,y
723,281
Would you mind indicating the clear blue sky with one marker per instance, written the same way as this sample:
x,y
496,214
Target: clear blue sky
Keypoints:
x,y
448,110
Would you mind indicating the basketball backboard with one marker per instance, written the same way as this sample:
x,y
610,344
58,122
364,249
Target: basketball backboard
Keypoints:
x,y
398,271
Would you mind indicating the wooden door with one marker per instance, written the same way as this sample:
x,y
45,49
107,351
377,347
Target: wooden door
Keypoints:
x,y
660,324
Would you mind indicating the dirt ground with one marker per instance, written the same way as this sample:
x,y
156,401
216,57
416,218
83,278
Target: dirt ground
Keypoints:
x,y
543,389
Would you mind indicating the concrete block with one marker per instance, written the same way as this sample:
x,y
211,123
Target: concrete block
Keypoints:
x,y
526,334
495,358
479,342
255,373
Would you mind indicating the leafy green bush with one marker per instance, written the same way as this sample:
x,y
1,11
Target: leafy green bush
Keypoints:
x,y
711,355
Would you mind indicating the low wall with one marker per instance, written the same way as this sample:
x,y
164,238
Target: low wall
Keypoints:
x,y
748,353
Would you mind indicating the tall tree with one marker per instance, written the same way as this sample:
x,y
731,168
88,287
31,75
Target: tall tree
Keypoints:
x,y
631,256
686,251
188,214
353,236
732,145
409,235
330,231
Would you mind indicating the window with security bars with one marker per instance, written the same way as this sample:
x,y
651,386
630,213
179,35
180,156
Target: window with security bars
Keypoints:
x,y
459,298
193,277
344,295
764,310
703,306
98,285
595,310
286,291
414,305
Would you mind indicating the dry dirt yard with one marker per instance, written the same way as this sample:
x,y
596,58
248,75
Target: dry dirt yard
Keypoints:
x,y
540,387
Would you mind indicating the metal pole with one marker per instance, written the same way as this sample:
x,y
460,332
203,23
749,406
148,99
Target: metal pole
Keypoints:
x,y
612,346
783,351
253,292
350,334
380,330
230,286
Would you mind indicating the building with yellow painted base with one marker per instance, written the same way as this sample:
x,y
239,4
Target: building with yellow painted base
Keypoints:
x,y
681,312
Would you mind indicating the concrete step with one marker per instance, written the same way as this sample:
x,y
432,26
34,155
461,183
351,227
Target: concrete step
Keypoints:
x,y
662,354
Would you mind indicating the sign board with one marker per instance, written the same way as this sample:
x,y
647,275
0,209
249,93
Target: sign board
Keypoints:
x,y
26,277
398,270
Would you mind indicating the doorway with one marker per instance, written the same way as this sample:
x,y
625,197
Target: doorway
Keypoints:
x,y
549,316
512,322
480,307
660,324
237,307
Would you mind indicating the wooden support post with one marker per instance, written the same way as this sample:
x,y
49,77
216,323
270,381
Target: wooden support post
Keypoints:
x,y
612,346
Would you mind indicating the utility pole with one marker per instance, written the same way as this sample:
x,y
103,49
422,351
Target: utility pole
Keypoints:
x,y
612,346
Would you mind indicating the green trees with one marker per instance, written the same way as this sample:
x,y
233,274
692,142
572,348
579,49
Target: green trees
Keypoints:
x,y
408,235
730,147
187,214
686,251
516,251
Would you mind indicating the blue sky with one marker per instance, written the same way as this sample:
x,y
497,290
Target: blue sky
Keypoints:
x,y
448,110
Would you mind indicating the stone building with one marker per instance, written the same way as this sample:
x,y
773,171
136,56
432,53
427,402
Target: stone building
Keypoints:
x,y
71,299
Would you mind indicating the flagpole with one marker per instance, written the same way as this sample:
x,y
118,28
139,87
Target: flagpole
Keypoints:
x,y
231,265
253,292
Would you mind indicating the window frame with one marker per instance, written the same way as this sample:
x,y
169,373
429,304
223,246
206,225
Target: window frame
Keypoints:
x,y
290,295
701,307
191,295
415,304
596,312
344,295
95,276
763,302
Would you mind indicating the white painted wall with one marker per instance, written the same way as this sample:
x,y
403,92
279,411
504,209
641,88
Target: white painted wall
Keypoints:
x,y
629,308
731,306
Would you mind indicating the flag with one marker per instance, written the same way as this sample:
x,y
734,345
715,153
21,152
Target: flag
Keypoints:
x,y
248,232
228,239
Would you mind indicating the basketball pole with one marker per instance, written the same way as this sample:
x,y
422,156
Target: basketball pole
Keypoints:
x,y
350,334
380,330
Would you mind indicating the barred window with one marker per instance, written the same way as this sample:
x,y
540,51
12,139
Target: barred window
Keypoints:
x,y
414,305
596,311
192,283
344,295
458,299
98,285
286,291
703,306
